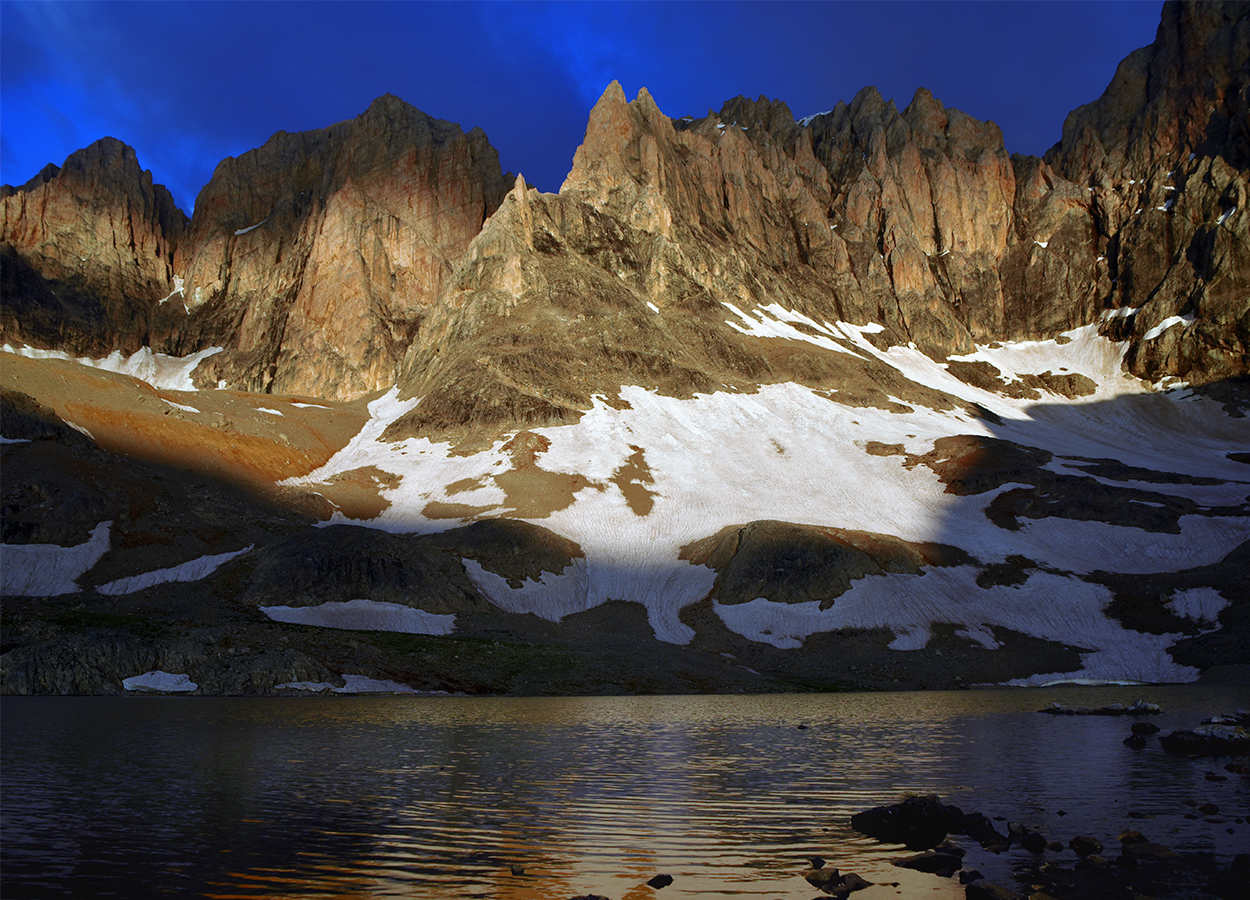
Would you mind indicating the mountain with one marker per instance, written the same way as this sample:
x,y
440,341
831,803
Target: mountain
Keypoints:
x,y
752,403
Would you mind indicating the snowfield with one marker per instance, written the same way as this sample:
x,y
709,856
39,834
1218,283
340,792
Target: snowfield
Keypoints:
x,y
789,453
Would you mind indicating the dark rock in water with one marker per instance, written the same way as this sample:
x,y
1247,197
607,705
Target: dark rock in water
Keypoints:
x,y
1034,842
919,823
1131,836
1016,831
818,862
978,827
1237,768
1092,864
944,864
517,870
1208,740
949,847
1139,708
1055,846
988,890
1145,728
1136,741
1215,776
847,885
820,876
1085,845
969,875
660,881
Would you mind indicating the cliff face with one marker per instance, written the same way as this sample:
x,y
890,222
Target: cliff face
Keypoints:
x,y
88,253
314,258
337,261
1165,155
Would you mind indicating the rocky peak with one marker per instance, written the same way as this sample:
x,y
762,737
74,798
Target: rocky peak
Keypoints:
x,y
1184,93
314,258
91,243
1164,156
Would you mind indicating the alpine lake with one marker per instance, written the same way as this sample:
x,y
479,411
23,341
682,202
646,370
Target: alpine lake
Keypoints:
x,y
551,798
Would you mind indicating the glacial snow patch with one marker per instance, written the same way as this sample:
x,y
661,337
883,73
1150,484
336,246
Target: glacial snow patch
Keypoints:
x,y
49,570
167,373
192,570
364,615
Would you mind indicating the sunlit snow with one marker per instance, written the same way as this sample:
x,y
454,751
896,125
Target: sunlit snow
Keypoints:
x,y
170,373
789,453
1165,325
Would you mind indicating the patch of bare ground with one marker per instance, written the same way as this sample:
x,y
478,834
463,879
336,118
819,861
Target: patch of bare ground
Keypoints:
x,y
532,491
222,434
357,494
790,563
983,375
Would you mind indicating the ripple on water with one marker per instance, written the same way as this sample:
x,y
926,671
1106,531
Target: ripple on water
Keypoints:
x,y
440,797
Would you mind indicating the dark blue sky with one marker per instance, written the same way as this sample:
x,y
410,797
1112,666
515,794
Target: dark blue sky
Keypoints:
x,y
187,84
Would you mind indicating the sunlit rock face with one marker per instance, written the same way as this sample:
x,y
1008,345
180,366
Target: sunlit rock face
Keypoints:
x,y
87,253
314,259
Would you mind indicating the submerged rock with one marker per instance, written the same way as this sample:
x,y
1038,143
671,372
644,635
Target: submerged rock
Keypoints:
x,y
1139,708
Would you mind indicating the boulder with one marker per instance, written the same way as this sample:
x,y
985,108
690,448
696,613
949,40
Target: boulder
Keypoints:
x,y
1208,740
919,823
1085,845
944,864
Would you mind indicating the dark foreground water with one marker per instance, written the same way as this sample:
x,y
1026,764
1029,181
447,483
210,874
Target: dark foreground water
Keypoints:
x,y
438,797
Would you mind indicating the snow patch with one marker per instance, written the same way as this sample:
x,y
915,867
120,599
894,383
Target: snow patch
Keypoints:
x,y
50,570
190,409
178,289
775,321
160,682
1056,608
1166,324
807,120
251,227
272,412
552,597
353,684
8,440
1042,244
168,373
1202,604
364,615
1224,218
192,570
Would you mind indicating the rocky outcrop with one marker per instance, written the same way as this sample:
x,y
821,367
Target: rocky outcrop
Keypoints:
x,y
1164,155
87,253
314,259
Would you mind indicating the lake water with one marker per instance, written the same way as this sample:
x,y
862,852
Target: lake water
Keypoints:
x,y
438,797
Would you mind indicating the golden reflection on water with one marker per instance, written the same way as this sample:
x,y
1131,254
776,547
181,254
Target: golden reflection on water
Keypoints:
x,y
441,797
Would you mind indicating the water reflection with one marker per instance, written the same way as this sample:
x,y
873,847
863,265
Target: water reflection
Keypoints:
x,y
441,797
